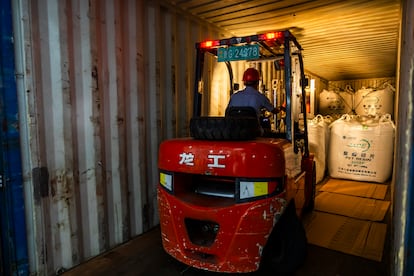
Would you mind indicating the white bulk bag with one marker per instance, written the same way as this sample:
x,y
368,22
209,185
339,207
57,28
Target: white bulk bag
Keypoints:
x,y
361,148
293,161
318,137
369,101
335,102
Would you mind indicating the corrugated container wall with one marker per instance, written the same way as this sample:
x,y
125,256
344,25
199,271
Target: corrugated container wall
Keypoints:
x,y
101,84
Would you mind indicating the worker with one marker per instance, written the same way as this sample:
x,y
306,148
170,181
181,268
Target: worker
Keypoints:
x,y
250,96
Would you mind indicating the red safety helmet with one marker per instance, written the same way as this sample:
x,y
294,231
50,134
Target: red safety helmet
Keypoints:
x,y
251,75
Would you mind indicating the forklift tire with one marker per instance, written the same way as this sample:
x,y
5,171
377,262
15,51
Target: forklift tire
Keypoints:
x,y
224,128
286,249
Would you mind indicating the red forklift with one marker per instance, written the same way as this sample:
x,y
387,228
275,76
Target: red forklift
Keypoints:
x,y
230,197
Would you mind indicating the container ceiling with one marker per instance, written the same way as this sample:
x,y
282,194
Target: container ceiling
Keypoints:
x,y
342,40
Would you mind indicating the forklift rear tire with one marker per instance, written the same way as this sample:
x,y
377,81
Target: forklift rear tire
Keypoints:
x,y
224,128
287,246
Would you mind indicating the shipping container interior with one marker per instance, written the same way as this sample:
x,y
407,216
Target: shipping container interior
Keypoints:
x,y
101,83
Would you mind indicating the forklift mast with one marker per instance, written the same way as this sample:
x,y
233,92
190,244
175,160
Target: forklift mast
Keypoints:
x,y
277,46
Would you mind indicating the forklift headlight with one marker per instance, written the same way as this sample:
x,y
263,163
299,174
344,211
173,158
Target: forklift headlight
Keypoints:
x,y
166,181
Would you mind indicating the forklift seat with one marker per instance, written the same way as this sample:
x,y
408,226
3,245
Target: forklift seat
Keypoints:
x,y
241,111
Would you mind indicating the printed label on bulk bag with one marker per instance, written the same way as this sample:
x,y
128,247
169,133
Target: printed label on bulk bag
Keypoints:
x,y
361,148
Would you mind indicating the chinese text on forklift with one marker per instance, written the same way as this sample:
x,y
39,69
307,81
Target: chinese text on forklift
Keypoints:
x,y
230,196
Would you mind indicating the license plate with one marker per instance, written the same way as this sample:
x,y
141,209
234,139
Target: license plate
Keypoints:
x,y
238,52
